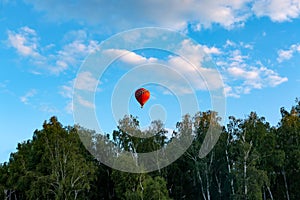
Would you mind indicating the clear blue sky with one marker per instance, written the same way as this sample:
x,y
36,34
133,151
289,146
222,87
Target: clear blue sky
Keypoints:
x,y
255,45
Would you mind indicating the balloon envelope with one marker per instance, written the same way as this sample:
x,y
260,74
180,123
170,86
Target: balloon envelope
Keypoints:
x,y
142,95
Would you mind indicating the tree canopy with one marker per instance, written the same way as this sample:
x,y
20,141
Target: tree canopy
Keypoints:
x,y
251,160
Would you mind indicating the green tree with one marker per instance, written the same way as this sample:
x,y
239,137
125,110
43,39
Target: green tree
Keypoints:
x,y
192,177
52,165
288,141
130,138
3,180
251,150
251,160
139,186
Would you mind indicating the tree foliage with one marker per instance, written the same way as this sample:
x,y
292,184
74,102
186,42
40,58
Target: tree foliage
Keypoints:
x,y
251,160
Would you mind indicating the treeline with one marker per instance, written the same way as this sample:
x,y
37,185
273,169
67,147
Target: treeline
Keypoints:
x,y
251,160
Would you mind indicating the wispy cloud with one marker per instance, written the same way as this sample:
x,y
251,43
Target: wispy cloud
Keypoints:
x,y
129,57
85,102
25,41
197,13
211,50
25,98
2,85
29,99
288,54
132,13
85,81
69,107
66,91
48,108
277,10
241,74
71,54
182,71
201,77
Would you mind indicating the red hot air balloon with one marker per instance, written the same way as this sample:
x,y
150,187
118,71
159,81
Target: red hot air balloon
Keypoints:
x,y
142,95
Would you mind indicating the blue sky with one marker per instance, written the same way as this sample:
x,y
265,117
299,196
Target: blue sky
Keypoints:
x,y
254,45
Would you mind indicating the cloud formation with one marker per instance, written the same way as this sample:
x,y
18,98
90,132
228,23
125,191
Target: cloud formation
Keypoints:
x,y
243,75
26,42
84,81
197,13
25,98
175,71
129,57
277,10
240,73
134,13
288,54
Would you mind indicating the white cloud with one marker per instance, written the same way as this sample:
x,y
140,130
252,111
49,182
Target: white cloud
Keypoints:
x,y
24,41
249,74
71,54
133,13
48,108
200,77
271,78
246,45
229,92
86,81
241,74
129,57
69,107
211,50
198,13
288,54
67,90
85,102
284,55
277,10
193,53
183,69
229,43
237,56
24,99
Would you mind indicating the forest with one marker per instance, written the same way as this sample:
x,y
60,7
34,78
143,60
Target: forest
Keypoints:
x,y
251,160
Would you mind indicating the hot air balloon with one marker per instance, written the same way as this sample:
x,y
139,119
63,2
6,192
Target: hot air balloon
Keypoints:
x,y
142,95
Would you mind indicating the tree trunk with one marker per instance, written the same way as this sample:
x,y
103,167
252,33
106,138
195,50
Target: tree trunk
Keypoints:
x,y
229,168
286,185
201,183
270,193
245,178
207,184
246,156
219,186
208,168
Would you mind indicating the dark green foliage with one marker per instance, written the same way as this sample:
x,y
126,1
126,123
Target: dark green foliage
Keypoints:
x,y
251,160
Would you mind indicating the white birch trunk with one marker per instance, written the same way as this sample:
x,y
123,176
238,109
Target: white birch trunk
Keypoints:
x,y
270,193
229,167
201,183
286,185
